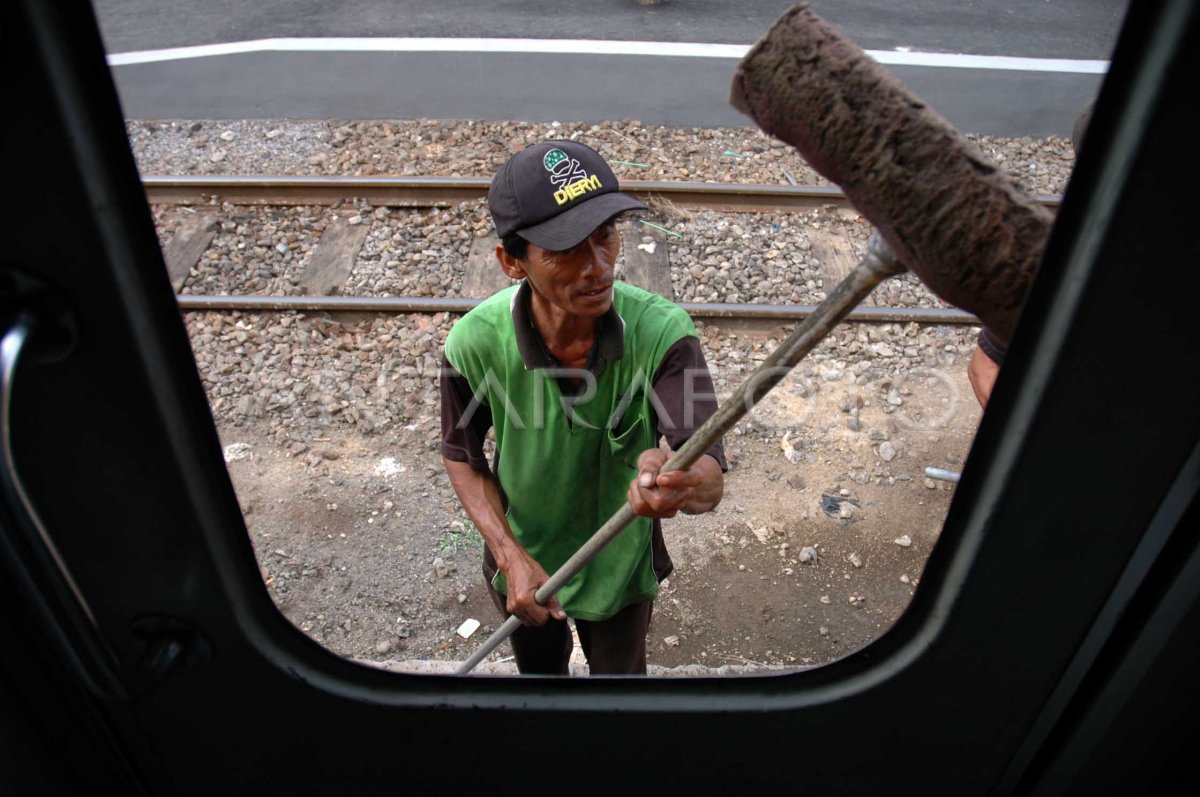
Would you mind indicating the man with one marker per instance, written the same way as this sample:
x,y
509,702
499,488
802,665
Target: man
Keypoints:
x,y
578,376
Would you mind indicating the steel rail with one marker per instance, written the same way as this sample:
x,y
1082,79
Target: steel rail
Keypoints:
x,y
419,304
448,191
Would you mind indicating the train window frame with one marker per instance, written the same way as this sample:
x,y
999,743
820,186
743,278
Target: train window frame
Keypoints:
x,y
961,538
1004,505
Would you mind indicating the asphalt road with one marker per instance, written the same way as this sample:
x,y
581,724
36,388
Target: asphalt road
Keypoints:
x,y
348,83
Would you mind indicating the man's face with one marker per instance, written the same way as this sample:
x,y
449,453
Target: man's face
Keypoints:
x,y
578,280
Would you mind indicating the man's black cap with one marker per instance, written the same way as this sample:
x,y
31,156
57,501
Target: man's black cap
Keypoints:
x,y
555,194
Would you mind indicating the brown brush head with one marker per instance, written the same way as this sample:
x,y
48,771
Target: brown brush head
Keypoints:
x,y
954,218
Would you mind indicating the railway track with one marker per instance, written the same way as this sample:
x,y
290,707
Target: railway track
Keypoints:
x,y
329,275
447,191
420,304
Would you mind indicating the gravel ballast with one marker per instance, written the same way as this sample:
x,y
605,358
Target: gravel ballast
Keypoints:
x,y
475,149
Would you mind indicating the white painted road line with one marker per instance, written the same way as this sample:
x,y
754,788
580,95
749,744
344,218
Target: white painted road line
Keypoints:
x,y
587,47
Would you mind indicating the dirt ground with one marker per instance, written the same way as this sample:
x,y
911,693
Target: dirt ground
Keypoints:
x,y
817,548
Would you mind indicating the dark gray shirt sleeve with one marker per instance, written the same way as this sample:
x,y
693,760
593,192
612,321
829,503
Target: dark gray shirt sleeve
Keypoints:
x,y
686,396
465,422
992,346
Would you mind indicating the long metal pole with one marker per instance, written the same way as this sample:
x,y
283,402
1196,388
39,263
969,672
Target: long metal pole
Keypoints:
x,y
878,264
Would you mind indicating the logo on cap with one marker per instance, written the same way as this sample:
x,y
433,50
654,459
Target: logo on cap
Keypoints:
x,y
571,179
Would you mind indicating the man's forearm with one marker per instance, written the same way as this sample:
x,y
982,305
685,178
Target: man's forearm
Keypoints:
x,y
480,497
982,371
